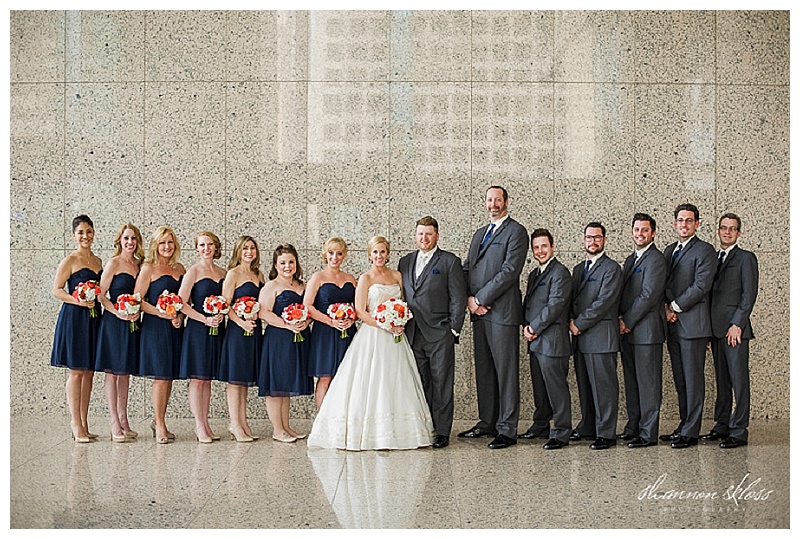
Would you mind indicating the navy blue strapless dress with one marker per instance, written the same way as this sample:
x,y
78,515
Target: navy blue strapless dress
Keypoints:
x,y
200,354
160,345
283,371
326,346
241,354
75,339
117,347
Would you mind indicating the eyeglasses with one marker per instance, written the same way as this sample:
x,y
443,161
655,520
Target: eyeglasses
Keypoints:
x,y
728,228
593,238
688,221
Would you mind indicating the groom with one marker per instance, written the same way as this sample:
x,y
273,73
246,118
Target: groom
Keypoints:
x,y
436,292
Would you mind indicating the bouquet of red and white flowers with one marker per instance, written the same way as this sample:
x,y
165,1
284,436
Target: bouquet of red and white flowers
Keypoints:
x,y
215,305
87,291
392,313
169,303
294,314
246,308
129,304
342,311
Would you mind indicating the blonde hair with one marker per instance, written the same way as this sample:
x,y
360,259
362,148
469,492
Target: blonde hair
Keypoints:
x,y
214,238
336,240
152,249
236,257
377,240
138,254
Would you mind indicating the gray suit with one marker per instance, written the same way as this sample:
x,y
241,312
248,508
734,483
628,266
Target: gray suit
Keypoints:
x,y
732,298
437,299
595,309
546,306
689,280
641,308
492,274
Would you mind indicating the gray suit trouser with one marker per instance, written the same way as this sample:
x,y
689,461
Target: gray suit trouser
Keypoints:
x,y
688,358
641,369
553,371
732,370
542,410
436,364
497,375
586,426
602,371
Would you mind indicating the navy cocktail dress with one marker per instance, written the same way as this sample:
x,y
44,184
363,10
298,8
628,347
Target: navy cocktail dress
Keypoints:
x,y
160,345
117,346
240,353
326,346
201,352
75,339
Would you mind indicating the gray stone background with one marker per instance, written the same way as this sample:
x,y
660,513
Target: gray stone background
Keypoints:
x,y
293,126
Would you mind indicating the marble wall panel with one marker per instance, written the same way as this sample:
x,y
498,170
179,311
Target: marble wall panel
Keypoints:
x,y
430,45
512,46
185,45
267,45
37,167
105,46
674,46
349,45
37,46
593,46
752,47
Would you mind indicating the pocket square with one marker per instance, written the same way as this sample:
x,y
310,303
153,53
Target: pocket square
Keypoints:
x,y
637,270
435,271
541,283
592,279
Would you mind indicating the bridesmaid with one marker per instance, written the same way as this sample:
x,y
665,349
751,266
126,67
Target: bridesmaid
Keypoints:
x,y
75,340
326,287
240,352
201,351
284,363
117,345
160,347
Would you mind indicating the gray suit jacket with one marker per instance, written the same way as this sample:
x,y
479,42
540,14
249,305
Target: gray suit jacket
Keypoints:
x,y
689,280
546,306
492,273
642,303
437,298
734,292
595,306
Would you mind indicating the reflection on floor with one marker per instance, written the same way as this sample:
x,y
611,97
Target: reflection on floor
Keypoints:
x,y
55,483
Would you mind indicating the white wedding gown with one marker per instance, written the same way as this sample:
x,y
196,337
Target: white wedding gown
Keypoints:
x,y
376,400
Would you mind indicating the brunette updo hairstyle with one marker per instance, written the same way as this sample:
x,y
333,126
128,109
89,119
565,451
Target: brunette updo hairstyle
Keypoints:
x,y
286,248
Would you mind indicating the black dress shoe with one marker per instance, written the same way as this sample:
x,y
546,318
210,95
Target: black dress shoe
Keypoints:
x,y
670,437
528,435
575,436
603,443
626,437
713,436
640,442
732,442
477,432
501,442
683,442
441,441
552,443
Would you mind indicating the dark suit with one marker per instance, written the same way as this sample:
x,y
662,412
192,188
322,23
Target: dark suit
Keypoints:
x,y
595,309
732,298
641,308
437,299
546,307
689,279
492,274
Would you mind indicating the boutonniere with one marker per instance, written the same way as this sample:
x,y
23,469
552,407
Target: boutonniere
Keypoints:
x,y
637,270
592,279
435,271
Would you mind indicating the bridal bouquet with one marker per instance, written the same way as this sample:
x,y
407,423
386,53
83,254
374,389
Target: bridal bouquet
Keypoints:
x,y
246,308
87,291
392,313
169,303
294,314
129,304
215,305
342,311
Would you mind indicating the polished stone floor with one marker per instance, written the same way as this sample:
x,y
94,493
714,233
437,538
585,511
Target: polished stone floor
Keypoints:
x,y
55,483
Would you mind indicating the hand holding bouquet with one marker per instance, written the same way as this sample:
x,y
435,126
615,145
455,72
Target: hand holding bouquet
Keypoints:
x,y
392,313
294,314
86,292
129,304
169,303
246,308
342,311
215,305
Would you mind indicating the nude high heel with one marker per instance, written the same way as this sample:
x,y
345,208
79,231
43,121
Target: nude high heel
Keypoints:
x,y
170,436
238,434
118,439
203,439
130,434
78,439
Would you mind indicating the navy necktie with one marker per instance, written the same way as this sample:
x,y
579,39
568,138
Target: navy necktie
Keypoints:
x,y
720,261
676,252
488,236
586,269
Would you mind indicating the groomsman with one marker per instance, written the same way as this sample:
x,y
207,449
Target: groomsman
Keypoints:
x,y
597,284
494,262
642,327
546,329
434,287
732,297
690,273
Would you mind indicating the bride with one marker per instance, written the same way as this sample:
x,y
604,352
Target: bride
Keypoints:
x,y
376,400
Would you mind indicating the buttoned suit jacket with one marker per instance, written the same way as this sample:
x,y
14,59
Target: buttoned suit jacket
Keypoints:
x,y
595,305
546,306
641,305
734,292
689,281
